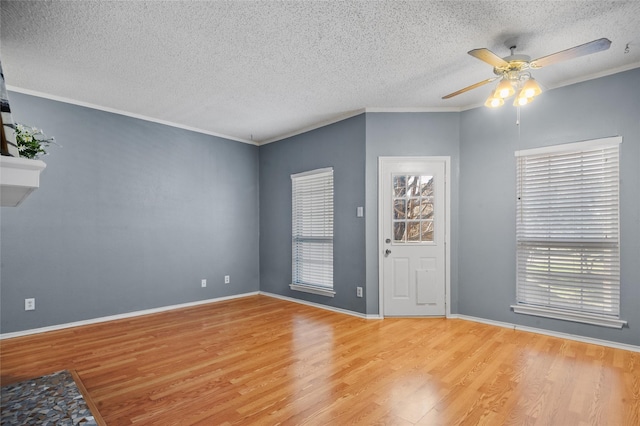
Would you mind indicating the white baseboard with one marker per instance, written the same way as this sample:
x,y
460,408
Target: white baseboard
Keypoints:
x,y
318,305
121,316
608,343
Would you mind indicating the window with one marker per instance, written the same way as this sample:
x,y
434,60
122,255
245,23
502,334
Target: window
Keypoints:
x,y
412,208
312,231
567,232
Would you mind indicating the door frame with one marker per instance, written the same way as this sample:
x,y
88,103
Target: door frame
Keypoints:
x,y
447,228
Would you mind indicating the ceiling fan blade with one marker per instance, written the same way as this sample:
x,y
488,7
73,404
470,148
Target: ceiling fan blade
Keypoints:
x,y
574,52
473,86
489,57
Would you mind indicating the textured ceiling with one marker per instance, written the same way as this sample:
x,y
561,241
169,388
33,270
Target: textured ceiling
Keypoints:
x,y
261,70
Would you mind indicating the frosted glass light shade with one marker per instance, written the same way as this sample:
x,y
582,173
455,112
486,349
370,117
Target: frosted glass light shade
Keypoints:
x,y
504,90
522,101
493,102
530,89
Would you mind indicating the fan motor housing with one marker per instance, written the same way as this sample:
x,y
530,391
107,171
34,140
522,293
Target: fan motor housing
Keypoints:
x,y
517,63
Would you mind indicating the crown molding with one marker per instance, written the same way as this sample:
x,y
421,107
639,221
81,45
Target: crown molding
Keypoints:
x,y
597,75
125,113
412,109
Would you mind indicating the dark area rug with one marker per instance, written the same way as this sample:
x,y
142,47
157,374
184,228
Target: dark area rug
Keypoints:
x,y
54,399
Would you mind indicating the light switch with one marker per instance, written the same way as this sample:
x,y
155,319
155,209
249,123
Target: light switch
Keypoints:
x,y
360,211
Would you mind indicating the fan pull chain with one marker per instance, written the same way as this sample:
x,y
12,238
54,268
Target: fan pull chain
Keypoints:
x,y
518,123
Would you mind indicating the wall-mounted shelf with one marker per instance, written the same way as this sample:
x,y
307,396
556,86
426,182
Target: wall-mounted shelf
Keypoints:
x,y
19,177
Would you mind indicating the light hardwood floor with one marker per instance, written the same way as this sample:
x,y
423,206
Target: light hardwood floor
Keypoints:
x,y
265,361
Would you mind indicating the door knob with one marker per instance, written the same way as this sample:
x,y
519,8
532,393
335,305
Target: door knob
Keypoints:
x,y
387,252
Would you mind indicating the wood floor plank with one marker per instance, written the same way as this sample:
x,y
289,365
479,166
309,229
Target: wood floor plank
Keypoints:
x,y
260,360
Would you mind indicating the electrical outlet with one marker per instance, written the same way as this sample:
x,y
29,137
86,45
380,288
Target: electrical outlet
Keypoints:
x,y
227,279
359,291
203,283
30,304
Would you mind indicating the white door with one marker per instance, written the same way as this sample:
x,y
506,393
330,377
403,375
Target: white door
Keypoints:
x,y
413,255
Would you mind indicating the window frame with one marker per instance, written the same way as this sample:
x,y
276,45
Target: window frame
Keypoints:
x,y
525,241
312,233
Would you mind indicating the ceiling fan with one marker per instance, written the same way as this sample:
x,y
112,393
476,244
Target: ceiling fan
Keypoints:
x,y
513,70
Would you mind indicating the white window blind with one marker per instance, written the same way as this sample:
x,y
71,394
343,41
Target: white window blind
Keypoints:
x,y
312,231
567,231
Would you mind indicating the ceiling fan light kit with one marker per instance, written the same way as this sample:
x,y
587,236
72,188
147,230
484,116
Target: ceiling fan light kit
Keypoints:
x,y
522,82
514,74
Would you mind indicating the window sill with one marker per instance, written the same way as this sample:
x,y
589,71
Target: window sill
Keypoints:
x,y
312,290
540,311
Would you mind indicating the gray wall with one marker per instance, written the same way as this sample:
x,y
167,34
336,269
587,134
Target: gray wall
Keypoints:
x,y
341,146
130,215
409,134
598,108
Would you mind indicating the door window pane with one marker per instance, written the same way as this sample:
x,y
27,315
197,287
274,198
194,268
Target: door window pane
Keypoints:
x,y
413,211
398,231
426,208
399,186
413,231
413,186
426,186
399,209
427,231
